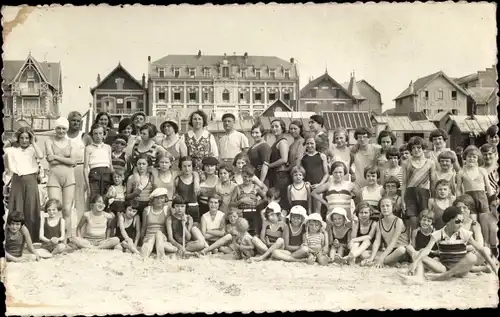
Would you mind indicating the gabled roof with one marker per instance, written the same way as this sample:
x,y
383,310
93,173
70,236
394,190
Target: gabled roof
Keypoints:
x,y
440,115
421,83
277,102
389,112
313,83
474,124
119,66
481,95
404,123
211,60
466,79
367,83
49,71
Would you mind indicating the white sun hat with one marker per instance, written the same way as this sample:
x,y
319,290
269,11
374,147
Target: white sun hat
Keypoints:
x,y
317,217
338,211
274,206
298,210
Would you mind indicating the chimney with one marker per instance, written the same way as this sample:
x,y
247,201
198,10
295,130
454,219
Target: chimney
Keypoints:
x,y
412,87
98,78
143,80
149,58
199,54
246,57
292,60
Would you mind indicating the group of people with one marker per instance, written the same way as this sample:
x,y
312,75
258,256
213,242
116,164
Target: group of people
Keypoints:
x,y
305,198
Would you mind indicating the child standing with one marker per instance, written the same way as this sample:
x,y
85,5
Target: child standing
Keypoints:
x,y
180,230
314,163
292,237
337,192
443,199
363,233
140,183
225,187
391,189
52,233
187,185
17,237
97,163
315,240
446,161
473,181
404,154
372,192
129,227
164,176
342,152
392,231
339,234
207,186
246,197
393,167
490,157
119,158
418,174
241,160
299,192
97,223
154,228
271,234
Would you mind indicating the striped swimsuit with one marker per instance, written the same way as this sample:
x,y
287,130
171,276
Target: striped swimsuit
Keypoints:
x,y
340,198
452,249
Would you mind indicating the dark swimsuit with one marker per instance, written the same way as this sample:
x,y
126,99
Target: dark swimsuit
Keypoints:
x,y
273,236
130,230
295,239
343,239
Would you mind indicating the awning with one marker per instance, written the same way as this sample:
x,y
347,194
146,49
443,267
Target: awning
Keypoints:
x,y
403,123
346,119
474,124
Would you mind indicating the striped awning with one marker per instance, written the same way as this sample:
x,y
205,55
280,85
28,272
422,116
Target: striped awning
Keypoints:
x,y
346,119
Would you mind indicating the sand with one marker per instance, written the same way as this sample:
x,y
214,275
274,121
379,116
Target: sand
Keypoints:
x,y
104,282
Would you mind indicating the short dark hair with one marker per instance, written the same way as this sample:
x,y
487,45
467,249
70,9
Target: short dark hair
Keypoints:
x,y
248,170
241,156
151,128
403,148
183,159
318,119
392,180
260,127
392,151
143,156
363,205
467,200
52,202
95,197
226,167
202,114
299,124
15,216
416,140
228,115
446,155
338,164
386,133
179,200
96,126
216,197
282,124
492,131
485,148
361,131
372,170
438,133
442,182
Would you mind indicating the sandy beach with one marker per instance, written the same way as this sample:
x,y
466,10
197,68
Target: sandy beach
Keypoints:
x,y
105,282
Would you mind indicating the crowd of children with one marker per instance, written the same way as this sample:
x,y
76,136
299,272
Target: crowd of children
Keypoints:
x,y
419,204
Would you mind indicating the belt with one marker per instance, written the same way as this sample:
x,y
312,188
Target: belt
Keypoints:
x,y
192,204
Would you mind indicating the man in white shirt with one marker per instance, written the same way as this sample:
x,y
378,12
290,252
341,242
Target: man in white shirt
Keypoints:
x,y
233,142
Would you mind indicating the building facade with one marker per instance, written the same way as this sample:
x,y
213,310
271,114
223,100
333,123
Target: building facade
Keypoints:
x,y
483,88
433,94
120,94
326,94
243,85
31,88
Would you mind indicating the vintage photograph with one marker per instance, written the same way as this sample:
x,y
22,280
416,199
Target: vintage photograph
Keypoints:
x,y
181,159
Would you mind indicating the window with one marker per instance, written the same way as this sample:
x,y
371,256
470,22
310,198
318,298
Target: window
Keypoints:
x,y
128,105
272,74
177,96
192,72
399,102
286,96
161,72
225,72
192,96
242,96
272,96
31,85
225,95
440,95
243,73
161,96
466,86
426,95
313,93
440,110
31,74
119,83
337,93
205,96
257,73
454,112
206,72
426,112
258,97
287,74
454,95
177,72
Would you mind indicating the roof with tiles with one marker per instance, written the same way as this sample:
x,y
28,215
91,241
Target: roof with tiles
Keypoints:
x,y
474,124
210,60
315,82
49,70
481,95
421,83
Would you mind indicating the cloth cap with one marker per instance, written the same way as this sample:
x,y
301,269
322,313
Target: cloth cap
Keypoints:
x,y
210,161
158,193
450,213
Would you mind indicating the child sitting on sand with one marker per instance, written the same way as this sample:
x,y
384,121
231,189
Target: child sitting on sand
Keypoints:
x,y
339,234
97,223
52,233
213,221
129,227
315,240
17,237
244,241
180,230
154,229
363,234
392,231
271,235
227,243
292,237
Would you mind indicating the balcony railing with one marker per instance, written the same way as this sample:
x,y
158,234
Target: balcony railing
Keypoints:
x,y
121,111
30,91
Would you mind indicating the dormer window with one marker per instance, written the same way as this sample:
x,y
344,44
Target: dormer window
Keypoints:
x,y
192,72
225,72
243,73
272,73
119,83
287,74
161,72
30,74
177,72
257,73
206,72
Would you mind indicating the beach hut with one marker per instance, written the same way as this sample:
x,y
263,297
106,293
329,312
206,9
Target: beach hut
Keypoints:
x,y
404,127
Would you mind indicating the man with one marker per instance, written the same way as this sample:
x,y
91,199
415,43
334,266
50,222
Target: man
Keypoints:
x,y
78,141
233,142
438,139
316,125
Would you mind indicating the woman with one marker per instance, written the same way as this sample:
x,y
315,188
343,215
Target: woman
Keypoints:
x,y
199,142
61,177
78,142
145,146
22,162
125,128
385,139
172,143
104,119
297,147
259,153
138,120
278,174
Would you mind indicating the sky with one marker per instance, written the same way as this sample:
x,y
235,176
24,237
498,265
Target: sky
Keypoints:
x,y
386,44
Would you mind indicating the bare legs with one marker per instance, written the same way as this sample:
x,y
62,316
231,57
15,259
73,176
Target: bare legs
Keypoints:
x,y
283,255
356,250
103,244
222,242
279,244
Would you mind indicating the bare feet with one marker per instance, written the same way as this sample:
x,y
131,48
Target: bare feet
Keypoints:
x,y
410,279
255,259
311,259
